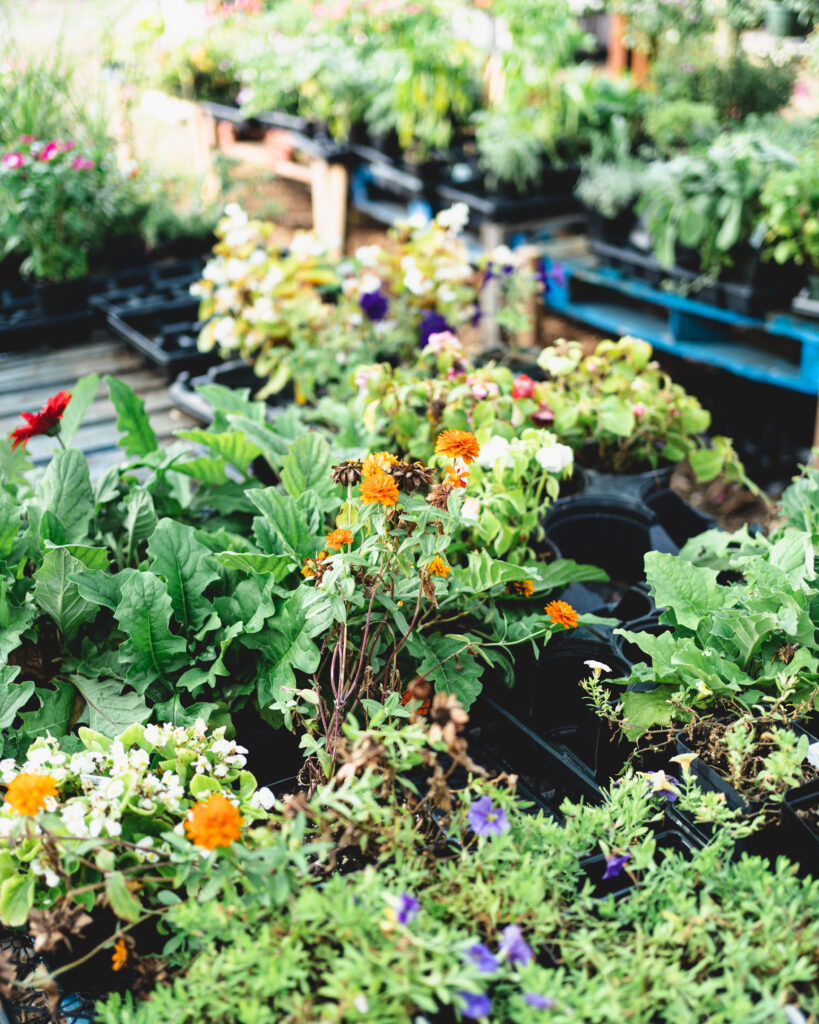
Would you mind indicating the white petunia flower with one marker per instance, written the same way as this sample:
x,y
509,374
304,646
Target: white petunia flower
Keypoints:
x,y
597,666
555,458
495,449
369,283
263,798
455,218
368,255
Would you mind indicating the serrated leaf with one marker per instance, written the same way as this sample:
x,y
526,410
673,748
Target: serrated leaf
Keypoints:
x,y
446,662
53,714
207,470
144,615
101,587
57,595
16,620
484,572
230,445
689,590
140,520
138,437
82,395
288,649
110,708
12,695
307,466
185,565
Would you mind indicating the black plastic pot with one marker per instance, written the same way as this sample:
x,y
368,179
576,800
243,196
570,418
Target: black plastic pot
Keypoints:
x,y
233,374
635,485
58,298
273,755
610,229
804,834
628,650
680,520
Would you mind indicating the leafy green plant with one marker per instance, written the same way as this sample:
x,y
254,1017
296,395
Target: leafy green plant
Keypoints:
x,y
790,207
681,123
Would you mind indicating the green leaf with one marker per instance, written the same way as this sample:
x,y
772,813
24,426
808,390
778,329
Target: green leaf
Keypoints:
x,y
231,445
54,712
207,470
91,557
271,444
276,565
122,901
706,463
690,591
185,565
140,519
643,711
460,672
65,490
17,620
101,587
10,516
12,695
290,525
138,437
485,572
233,400
554,575
307,467
109,707
175,712
287,648
615,417
57,594
82,395
144,614
16,900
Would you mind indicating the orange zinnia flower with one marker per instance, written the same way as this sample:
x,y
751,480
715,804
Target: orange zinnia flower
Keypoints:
x,y
456,479
377,462
309,567
458,444
521,588
438,567
379,487
27,792
338,538
406,697
119,958
562,614
216,822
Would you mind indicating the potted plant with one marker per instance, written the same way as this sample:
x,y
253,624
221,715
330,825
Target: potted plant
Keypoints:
x,y
790,208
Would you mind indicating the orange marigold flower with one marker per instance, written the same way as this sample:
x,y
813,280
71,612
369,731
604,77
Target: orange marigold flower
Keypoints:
x,y
309,567
216,822
562,614
458,444
119,958
437,567
379,487
455,478
338,538
27,792
406,697
521,588
377,462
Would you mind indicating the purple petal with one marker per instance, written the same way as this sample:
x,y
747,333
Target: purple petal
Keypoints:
x,y
615,865
538,1001
514,947
477,1005
406,908
482,958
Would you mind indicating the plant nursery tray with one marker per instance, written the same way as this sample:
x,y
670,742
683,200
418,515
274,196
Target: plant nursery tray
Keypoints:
x,y
22,324
233,374
805,836
621,885
804,305
151,288
306,137
500,209
166,341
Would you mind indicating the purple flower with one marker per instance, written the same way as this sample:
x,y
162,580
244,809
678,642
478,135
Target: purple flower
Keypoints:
x,y
477,314
615,864
663,785
549,273
477,1005
539,1002
485,819
483,958
406,908
431,323
514,947
374,305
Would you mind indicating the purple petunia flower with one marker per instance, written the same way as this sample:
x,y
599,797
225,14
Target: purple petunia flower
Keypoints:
x,y
663,785
615,864
538,1001
431,323
485,819
374,305
514,947
549,273
406,908
477,1005
483,958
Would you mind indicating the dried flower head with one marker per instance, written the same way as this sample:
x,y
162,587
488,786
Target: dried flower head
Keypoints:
x,y
347,473
28,792
520,588
438,567
216,822
458,444
314,566
562,614
447,718
410,476
338,538
57,925
438,497
379,488
378,462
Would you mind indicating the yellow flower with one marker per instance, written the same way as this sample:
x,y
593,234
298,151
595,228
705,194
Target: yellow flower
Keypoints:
x,y
438,567
378,462
379,488
27,792
216,822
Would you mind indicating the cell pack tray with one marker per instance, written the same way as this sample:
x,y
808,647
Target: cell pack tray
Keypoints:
x,y
154,287
164,339
233,374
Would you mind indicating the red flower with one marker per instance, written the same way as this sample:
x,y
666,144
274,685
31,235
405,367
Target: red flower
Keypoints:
x,y
524,387
46,421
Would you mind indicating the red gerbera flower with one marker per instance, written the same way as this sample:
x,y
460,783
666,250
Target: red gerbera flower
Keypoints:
x,y
46,421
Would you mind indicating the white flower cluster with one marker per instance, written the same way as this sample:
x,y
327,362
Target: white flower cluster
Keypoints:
x,y
540,445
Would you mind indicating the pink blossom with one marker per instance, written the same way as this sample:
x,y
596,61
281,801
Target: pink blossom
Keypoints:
x,y
13,160
524,387
66,147
81,164
639,409
28,139
51,151
479,391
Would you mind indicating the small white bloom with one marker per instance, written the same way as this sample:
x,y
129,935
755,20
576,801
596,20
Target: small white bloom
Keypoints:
x,y
361,1004
556,458
702,689
369,283
470,510
263,798
368,255
597,666
455,218
495,449
503,256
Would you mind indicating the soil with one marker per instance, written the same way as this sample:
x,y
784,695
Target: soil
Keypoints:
x,y
729,503
811,816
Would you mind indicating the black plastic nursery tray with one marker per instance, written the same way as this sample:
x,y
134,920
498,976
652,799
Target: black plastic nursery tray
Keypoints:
x,y
152,288
165,340
554,198
23,324
806,306
233,374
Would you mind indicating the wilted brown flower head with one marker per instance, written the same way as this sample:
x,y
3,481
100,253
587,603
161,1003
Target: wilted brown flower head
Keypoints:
x,y
447,718
438,497
347,473
410,476
60,924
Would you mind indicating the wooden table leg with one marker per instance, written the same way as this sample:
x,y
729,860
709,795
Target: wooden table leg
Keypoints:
x,y
618,51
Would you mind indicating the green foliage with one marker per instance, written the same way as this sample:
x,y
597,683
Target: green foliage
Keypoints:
x,y
790,207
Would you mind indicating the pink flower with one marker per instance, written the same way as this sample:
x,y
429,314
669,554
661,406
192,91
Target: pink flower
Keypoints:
x,y
13,160
50,152
524,387
28,139
639,409
81,164
66,147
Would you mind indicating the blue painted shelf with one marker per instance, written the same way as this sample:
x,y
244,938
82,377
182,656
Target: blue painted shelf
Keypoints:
x,y
606,298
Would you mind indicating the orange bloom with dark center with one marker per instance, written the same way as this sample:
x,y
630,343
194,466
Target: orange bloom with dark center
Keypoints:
x,y
521,588
46,421
379,488
458,444
338,538
456,479
216,822
119,958
27,792
377,462
562,614
406,697
438,567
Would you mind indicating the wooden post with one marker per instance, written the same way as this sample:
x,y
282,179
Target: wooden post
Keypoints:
x,y
528,256
640,65
329,198
618,51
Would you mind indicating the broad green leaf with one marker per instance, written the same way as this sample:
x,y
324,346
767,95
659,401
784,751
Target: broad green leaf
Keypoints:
x,y
643,711
121,899
690,591
82,395
185,565
233,400
109,707
14,621
485,572
552,575
53,714
707,463
138,437
91,557
447,663
276,565
307,466
175,712
140,520
290,525
271,444
16,900
144,615
615,417
65,490
208,470
10,515
287,648
12,695
231,445
101,587
57,594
